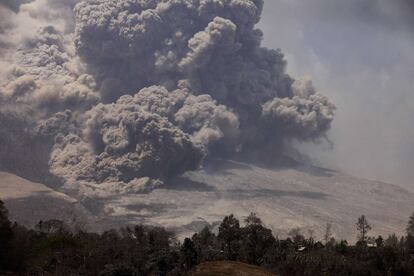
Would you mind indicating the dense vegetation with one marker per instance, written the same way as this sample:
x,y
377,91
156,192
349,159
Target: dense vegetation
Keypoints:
x,y
53,248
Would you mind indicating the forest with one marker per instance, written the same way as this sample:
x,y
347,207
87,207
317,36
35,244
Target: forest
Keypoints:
x,y
56,248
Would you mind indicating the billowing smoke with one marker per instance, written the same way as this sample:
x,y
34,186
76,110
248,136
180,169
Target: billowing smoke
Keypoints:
x,y
127,94
121,142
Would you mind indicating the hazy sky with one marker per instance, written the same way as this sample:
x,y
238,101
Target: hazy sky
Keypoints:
x,y
360,54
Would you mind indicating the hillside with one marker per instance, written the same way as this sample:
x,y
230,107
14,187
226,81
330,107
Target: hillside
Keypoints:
x,y
29,202
228,269
284,197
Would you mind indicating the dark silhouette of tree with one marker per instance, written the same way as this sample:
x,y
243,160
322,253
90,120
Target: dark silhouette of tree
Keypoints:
x,y
297,236
363,227
205,243
52,226
391,241
328,233
410,226
379,241
5,235
256,240
253,219
410,235
188,254
229,234
410,245
146,250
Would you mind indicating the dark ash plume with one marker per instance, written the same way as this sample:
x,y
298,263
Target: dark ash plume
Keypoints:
x,y
130,93
200,116
122,143
206,47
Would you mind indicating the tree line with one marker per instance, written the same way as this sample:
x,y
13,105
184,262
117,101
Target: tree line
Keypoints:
x,y
54,248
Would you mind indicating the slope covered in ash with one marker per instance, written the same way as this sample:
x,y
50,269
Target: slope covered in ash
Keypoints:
x,y
30,202
284,197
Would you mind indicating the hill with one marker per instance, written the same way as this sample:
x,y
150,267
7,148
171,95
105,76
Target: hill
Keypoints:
x,y
29,202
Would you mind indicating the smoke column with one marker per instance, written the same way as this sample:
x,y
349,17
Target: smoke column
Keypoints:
x,y
123,95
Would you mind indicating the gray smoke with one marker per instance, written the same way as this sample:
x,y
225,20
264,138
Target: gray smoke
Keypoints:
x,y
131,93
304,116
122,142
45,75
207,123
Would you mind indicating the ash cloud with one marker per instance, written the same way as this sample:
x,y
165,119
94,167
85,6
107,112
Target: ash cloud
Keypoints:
x,y
304,116
120,143
130,93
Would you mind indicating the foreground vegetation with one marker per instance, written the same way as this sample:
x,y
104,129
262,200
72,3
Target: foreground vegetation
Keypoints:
x,y
53,248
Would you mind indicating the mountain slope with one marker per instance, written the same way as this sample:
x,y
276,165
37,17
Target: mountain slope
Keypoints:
x,y
30,202
298,196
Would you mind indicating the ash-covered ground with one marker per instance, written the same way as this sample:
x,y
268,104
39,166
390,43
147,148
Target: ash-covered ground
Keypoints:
x,y
295,196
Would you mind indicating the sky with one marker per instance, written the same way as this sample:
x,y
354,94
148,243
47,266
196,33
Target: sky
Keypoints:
x,y
359,54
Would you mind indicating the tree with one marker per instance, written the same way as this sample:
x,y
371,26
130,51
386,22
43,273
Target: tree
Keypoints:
x,y
6,234
52,226
297,236
229,234
410,244
363,227
328,233
379,241
311,233
391,241
410,226
256,240
410,234
5,224
253,219
188,254
205,242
